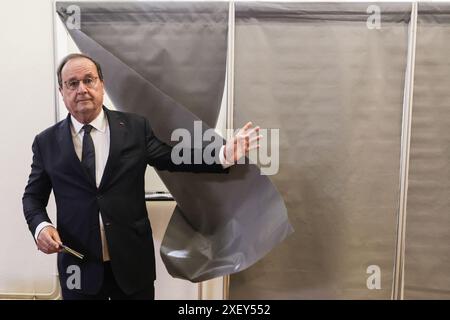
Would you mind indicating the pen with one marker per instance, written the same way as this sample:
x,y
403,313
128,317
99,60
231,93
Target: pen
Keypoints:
x,y
72,252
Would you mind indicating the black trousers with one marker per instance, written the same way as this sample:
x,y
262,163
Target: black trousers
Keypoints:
x,y
110,290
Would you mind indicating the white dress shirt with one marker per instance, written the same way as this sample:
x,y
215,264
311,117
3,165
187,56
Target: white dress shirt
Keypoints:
x,y
101,138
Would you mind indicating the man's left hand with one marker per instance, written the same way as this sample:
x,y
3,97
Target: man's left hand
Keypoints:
x,y
246,139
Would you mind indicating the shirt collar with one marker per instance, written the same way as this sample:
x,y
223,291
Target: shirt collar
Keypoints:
x,y
99,123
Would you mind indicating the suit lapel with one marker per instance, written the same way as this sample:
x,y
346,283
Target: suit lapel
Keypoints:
x,y
68,151
117,131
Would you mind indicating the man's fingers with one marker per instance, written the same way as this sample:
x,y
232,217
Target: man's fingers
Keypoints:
x,y
251,133
246,139
246,127
254,130
49,245
44,250
48,249
42,246
255,139
46,242
247,130
51,241
56,239
252,143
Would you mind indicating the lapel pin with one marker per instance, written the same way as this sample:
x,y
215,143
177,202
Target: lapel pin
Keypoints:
x,y
121,123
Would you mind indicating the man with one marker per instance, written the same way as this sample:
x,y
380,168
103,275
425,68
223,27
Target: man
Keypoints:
x,y
95,161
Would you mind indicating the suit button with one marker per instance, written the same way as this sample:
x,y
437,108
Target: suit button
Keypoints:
x,y
99,197
107,224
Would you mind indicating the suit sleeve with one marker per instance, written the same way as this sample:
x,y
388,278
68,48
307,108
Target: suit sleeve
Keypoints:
x,y
159,155
37,192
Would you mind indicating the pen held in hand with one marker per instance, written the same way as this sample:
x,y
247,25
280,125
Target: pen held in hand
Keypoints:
x,y
72,252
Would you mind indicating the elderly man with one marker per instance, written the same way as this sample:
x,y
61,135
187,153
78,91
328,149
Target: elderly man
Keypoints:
x,y
95,160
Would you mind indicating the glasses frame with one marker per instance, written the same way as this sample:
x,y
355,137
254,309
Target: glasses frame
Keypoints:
x,y
90,86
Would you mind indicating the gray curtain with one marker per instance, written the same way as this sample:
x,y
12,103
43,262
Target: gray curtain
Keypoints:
x,y
167,62
427,256
335,90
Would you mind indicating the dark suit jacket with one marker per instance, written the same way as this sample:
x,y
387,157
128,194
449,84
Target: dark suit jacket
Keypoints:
x,y
119,198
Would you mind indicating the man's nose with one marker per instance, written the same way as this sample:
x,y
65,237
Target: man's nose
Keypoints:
x,y
81,87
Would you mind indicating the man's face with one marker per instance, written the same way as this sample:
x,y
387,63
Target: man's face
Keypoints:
x,y
83,99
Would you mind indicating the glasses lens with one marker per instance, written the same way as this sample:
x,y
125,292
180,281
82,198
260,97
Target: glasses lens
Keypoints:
x,y
73,84
89,82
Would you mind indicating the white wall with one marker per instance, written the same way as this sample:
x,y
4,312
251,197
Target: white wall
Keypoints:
x,y
27,89
27,105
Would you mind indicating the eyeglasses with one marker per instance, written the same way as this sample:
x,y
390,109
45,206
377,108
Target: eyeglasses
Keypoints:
x,y
88,82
